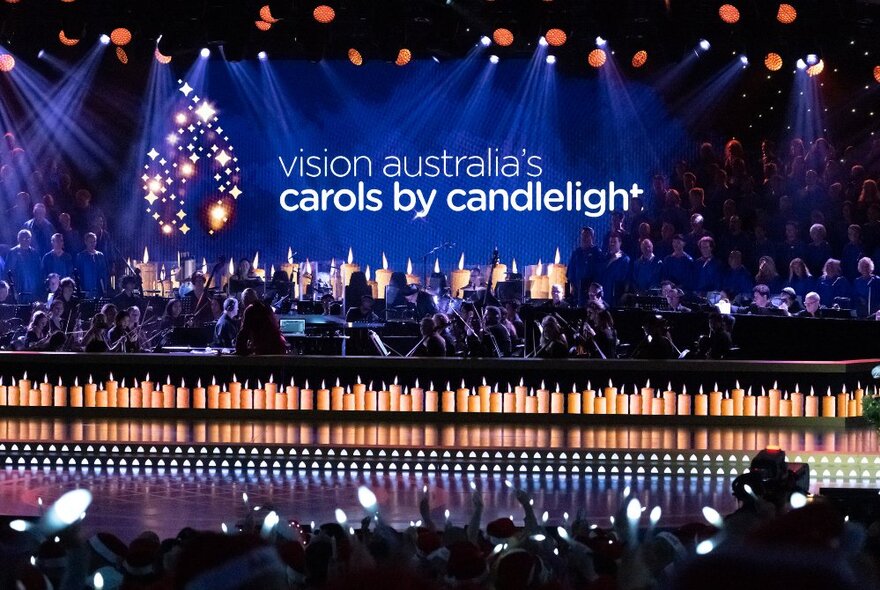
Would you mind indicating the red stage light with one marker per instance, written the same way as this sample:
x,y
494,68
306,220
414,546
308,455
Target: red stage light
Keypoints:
x,y
403,57
556,37
773,62
7,63
597,58
640,58
262,25
121,55
786,14
729,13
503,37
324,14
120,36
355,57
816,69
877,73
161,58
266,15
65,40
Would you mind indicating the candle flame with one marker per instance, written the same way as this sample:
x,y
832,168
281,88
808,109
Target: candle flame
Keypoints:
x,y
234,378
557,387
123,383
384,387
737,384
148,377
437,265
307,383
484,380
750,390
231,268
409,266
272,271
669,386
589,385
323,384
558,258
701,389
395,379
350,255
178,259
308,269
59,381
337,382
648,384
513,268
289,255
384,262
539,268
247,384
359,379
46,379
111,376
90,378
462,383
406,390
448,386
461,262
797,387
348,389
199,383
75,381
417,381
182,384
775,384
271,377
162,273
168,380
292,384
256,263
259,384
684,389
367,273
844,388
431,386
763,393
829,390
542,384
25,376
811,390
204,265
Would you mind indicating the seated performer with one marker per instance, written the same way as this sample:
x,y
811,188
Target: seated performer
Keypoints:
x,y
95,339
553,342
364,312
128,297
199,301
432,344
812,306
761,303
259,333
226,330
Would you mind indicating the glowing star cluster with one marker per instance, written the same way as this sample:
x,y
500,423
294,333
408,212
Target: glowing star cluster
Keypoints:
x,y
194,169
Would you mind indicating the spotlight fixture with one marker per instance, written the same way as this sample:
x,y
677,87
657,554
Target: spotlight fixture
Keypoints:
x,y
744,60
493,59
601,41
801,64
324,14
704,45
120,36
104,39
403,57
773,62
542,41
65,40
556,37
816,69
355,57
205,52
121,55
485,41
597,58
640,58
786,14
262,25
812,59
877,74
7,62
551,59
262,56
41,54
266,15
503,37
729,13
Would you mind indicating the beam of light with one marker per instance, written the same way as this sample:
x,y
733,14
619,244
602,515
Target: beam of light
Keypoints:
x,y
700,106
205,53
52,117
805,117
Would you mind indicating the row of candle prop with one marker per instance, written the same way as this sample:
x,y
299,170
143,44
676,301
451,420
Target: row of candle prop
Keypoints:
x,y
155,278
398,398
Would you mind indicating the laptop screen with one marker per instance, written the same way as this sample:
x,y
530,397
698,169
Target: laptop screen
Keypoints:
x,y
291,327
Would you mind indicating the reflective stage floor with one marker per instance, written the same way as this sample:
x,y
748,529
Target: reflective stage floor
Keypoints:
x,y
164,475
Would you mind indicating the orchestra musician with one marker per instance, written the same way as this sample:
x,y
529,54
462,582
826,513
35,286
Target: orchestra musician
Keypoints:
x,y
226,330
496,333
553,341
657,343
37,335
128,297
95,339
443,326
259,333
53,283
198,300
66,294
244,276
432,344
597,337
364,312
172,317
120,337
718,342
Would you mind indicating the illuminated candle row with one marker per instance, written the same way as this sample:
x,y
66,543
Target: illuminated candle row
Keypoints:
x,y
398,398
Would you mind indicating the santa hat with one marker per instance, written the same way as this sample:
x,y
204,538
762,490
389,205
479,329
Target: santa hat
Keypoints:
x,y
465,562
51,555
109,547
428,541
141,558
222,562
517,570
30,578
